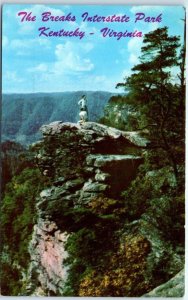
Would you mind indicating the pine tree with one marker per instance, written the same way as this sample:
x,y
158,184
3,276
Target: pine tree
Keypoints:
x,y
152,87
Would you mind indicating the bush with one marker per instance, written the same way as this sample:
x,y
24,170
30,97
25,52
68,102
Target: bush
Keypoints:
x,y
123,275
17,219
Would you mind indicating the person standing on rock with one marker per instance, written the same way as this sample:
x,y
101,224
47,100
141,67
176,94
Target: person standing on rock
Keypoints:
x,y
83,109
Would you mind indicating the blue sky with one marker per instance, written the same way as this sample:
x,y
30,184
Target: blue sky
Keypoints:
x,y
55,64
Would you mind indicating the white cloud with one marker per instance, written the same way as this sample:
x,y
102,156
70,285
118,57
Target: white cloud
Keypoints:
x,y
26,27
71,57
149,11
51,82
151,27
123,52
175,71
117,15
126,73
17,43
96,82
37,10
86,47
5,41
134,50
134,45
42,42
39,68
26,46
147,8
12,76
85,26
133,59
132,53
100,79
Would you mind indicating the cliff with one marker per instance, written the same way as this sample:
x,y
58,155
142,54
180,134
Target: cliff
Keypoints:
x,y
84,242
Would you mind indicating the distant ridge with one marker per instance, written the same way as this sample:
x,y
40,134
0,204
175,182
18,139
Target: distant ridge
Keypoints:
x,y
23,114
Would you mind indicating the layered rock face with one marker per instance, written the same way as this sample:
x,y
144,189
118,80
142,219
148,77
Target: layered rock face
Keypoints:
x,y
46,274
86,162
89,159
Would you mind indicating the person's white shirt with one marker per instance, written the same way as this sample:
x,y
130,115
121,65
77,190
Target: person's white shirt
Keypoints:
x,y
82,103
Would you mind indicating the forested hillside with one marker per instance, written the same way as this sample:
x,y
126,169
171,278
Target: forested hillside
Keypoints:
x,y
24,114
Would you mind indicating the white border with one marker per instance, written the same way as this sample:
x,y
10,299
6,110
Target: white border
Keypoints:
x,y
118,2
102,2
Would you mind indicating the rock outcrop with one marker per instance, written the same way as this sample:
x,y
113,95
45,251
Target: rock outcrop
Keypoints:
x,y
83,162
172,288
92,156
48,254
86,162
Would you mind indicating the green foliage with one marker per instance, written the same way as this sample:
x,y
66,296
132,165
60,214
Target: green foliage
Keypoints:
x,y
124,273
158,100
153,87
154,195
17,220
120,113
10,278
138,196
91,245
167,214
14,159
97,267
80,245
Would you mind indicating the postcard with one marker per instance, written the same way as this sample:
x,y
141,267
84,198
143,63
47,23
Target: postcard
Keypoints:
x,y
93,150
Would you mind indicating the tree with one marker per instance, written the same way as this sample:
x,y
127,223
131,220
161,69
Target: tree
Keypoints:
x,y
18,215
152,87
182,64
